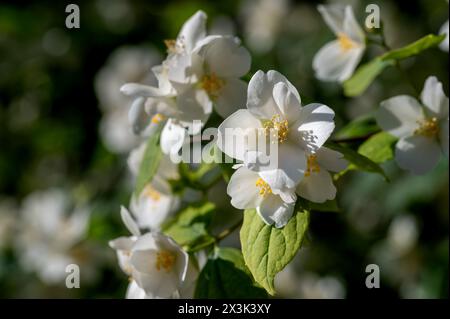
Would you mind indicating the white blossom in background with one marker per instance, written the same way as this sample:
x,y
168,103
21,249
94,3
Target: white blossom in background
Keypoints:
x,y
48,234
444,30
274,115
127,63
262,21
422,128
337,60
199,73
157,202
158,267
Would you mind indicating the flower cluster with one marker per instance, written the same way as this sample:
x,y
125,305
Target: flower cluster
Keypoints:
x,y
303,162
278,145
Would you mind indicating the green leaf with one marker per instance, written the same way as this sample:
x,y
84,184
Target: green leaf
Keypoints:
x,y
190,227
266,249
379,148
226,276
357,160
366,73
361,126
149,164
364,76
414,48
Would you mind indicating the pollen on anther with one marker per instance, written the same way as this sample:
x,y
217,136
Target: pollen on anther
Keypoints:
x,y
264,188
165,260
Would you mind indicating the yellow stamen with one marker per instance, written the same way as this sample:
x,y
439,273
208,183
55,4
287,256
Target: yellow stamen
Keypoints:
x,y
311,165
279,128
428,127
264,188
174,46
346,43
212,84
157,118
165,260
151,193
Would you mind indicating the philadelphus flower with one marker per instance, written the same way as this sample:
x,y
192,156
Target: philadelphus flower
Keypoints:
x,y
337,60
125,64
48,236
422,129
274,114
158,266
200,71
156,203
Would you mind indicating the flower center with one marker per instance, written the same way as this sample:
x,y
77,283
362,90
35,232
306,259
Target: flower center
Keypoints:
x,y
157,118
279,128
346,43
165,260
174,46
264,188
151,193
428,127
311,165
212,84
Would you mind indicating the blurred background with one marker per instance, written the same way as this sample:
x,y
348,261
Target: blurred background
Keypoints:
x,y
64,142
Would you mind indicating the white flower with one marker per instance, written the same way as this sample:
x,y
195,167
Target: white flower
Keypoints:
x,y
125,64
337,60
263,21
274,109
317,184
199,72
48,235
422,129
156,203
157,265
248,190
444,43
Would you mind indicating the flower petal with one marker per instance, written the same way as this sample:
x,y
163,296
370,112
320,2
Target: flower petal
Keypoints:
x,y
129,221
141,90
314,127
332,63
418,154
274,211
226,58
444,30
399,115
134,291
331,160
231,138
194,105
260,100
287,102
231,97
172,138
243,190
193,30
434,99
317,187
289,169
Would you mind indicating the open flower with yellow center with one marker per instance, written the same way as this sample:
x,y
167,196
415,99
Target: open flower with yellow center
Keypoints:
x,y
248,190
274,134
156,203
337,60
422,128
156,265
317,184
